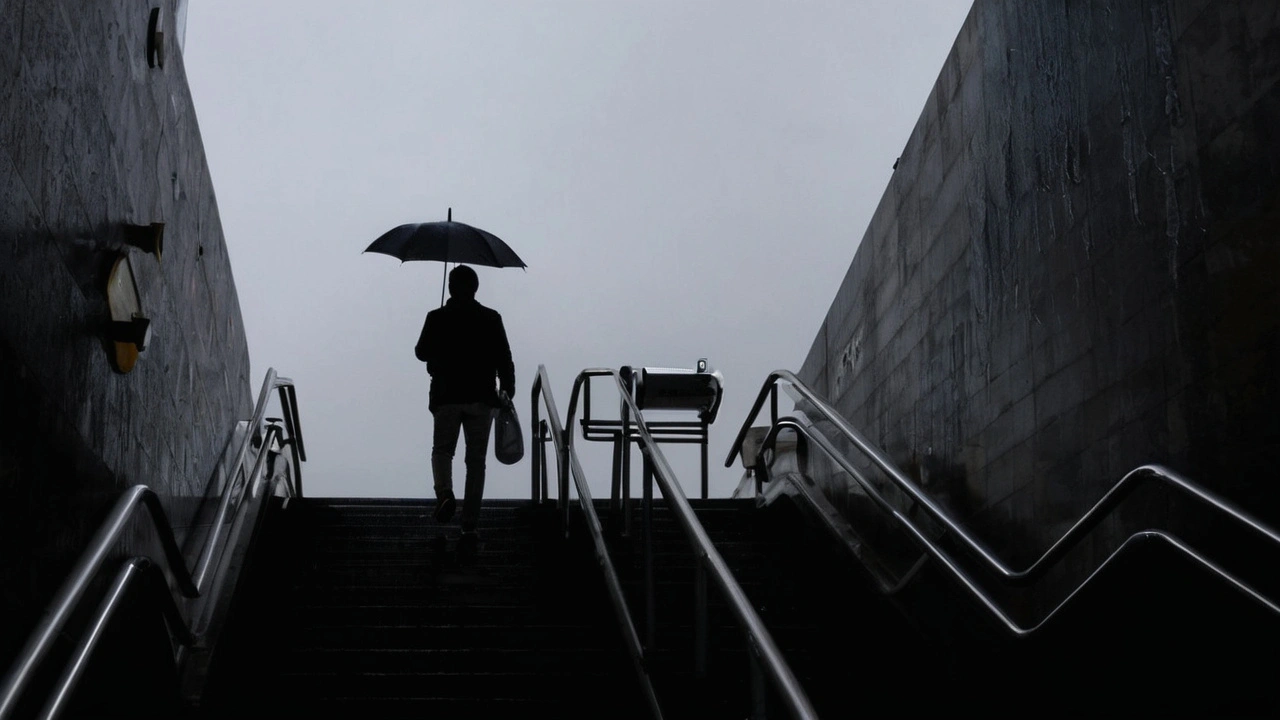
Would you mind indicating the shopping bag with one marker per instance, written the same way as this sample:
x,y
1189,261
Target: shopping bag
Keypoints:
x,y
508,443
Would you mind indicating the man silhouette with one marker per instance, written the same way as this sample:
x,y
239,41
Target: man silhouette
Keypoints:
x,y
464,345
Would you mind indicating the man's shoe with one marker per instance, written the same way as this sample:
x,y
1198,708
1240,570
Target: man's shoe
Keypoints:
x,y
468,542
445,508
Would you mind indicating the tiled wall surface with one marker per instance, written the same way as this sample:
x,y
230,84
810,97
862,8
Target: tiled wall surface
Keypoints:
x,y
1073,270
93,137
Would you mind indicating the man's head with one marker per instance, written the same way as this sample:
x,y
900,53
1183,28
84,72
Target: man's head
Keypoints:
x,y
463,282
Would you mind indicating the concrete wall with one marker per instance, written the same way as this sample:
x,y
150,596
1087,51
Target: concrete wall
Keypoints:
x,y
1072,271
93,137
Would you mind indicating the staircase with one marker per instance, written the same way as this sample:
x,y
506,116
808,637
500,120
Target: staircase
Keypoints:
x,y
839,636
367,608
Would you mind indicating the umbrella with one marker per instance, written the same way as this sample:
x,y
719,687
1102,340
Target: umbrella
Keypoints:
x,y
448,242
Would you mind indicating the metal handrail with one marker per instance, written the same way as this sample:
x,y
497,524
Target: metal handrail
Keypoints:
x,y
133,568
759,639
567,460
187,636
190,583
933,550
288,401
973,545
827,515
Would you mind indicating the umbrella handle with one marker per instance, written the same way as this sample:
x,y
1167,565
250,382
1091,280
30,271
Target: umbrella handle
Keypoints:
x,y
444,279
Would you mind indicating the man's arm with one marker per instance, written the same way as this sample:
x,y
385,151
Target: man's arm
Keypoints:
x,y
425,349
506,368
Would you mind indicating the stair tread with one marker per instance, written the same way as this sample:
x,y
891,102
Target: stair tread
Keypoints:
x,y
375,622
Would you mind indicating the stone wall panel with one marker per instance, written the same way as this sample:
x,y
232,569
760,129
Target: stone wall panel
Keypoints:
x,y
94,138
1084,241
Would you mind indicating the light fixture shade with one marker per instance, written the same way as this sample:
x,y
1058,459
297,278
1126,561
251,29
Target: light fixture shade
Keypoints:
x,y
129,329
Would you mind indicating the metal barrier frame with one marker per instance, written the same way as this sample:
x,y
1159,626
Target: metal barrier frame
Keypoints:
x,y
662,431
768,663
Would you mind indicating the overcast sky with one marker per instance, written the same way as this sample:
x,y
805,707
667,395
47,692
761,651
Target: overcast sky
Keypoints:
x,y
684,179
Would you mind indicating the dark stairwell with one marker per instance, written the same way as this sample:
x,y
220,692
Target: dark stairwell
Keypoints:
x,y
1152,635
369,608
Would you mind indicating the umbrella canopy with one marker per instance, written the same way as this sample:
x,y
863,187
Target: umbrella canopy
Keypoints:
x,y
447,242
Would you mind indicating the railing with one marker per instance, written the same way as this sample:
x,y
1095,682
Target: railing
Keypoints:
x,y
827,515
566,463
761,645
191,583
974,546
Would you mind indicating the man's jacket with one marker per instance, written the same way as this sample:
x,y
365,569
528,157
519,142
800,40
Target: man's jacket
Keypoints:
x,y
464,345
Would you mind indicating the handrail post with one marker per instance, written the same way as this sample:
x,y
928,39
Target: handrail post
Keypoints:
x,y
650,612
562,468
544,434
773,403
534,440
615,494
703,445
289,410
700,619
295,428
626,471
538,464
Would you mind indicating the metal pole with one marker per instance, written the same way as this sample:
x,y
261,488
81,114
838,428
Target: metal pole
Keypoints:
x,y
773,404
650,611
626,471
700,620
704,461
291,422
615,495
562,456
545,432
537,449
